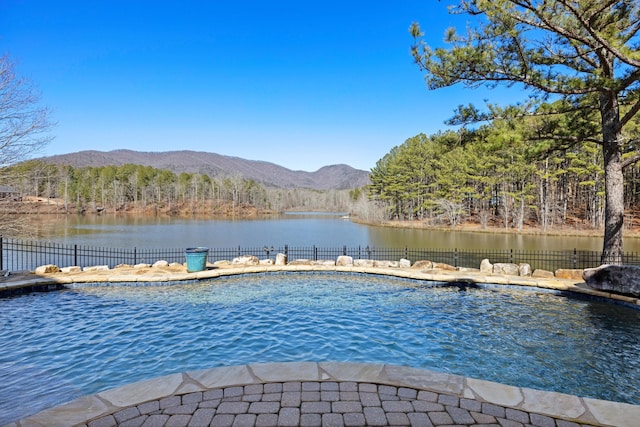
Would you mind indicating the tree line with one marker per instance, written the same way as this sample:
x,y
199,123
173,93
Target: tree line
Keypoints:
x,y
492,176
144,188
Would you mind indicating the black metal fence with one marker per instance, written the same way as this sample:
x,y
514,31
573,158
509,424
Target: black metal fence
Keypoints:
x,y
18,255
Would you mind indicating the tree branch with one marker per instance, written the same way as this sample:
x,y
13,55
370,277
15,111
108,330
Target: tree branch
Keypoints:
x,y
601,41
630,160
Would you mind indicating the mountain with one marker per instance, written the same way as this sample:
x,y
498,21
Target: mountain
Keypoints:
x,y
216,165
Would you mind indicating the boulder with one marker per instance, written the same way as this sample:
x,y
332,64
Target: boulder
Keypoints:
x,y
142,265
542,274
469,269
363,262
443,266
506,268
385,263
325,262
281,259
246,260
221,263
524,270
422,265
344,261
405,263
300,261
122,266
47,269
623,279
71,269
570,274
267,261
486,266
97,268
160,263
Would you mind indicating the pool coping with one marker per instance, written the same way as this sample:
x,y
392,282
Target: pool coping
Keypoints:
x,y
558,405
549,404
169,275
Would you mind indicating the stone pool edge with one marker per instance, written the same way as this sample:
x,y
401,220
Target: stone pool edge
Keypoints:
x,y
552,404
50,281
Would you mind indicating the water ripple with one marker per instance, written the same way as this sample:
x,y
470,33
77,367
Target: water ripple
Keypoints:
x,y
62,345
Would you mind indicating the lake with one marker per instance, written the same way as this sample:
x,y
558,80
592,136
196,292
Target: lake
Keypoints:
x,y
293,229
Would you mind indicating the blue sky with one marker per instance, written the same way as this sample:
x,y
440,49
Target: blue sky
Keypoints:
x,y
302,84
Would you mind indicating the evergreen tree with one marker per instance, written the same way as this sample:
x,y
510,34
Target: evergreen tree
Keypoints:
x,y
585,52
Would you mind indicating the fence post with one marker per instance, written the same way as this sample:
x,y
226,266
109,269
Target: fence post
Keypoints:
x,y
315,253
455,257
135,256
286,251
75,254
510,256
344,250
575,258
406,252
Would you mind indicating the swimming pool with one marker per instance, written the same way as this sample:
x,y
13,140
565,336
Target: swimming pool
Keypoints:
x,y
61,345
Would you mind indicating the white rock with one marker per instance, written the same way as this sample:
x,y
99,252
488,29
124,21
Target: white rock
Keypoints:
x,y
96,268
281,259
486,266
46,269
344,261
422,264
506,268
524,270
325,262
383,263
246,260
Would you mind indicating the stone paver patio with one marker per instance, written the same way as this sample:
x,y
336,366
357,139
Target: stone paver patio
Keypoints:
x,y
329,394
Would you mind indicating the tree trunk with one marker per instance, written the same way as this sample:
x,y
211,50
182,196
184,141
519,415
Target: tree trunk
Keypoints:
x,y
614,205
613,179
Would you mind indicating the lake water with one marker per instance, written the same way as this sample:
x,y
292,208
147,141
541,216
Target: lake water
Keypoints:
x,y
293,229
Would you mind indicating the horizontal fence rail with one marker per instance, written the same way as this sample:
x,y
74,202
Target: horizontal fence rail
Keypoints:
x,y
21,255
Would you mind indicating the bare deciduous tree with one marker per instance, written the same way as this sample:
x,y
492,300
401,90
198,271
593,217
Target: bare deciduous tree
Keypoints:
x,y
24,123
24,127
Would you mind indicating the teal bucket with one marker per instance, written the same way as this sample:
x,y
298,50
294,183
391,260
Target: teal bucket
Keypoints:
x,y
196,259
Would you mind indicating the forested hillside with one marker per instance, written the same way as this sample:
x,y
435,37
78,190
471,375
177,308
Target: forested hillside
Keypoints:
x,y
136,188
333,177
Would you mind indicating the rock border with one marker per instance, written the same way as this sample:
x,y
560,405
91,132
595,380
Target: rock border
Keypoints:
x,y
51,277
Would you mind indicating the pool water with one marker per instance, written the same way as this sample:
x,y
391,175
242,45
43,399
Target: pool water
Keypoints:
x,y
61,345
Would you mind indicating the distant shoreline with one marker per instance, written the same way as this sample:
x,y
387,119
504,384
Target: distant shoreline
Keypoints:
x,y
476,228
